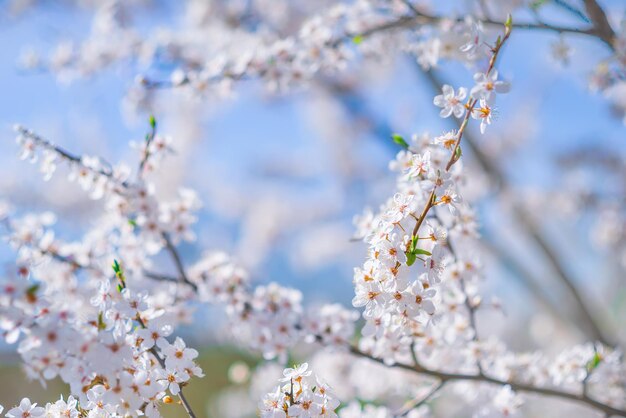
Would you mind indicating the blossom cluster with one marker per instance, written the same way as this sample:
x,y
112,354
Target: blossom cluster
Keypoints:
x,y
206,52
299,396
398,306
108,343
269,319
106,337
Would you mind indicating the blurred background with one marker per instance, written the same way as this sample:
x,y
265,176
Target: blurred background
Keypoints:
x,y
281,176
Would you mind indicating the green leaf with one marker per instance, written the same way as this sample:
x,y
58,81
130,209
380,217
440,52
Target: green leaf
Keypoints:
x,y
120,288
509,22
116,267
132,222
413,251
594,362
357,39
458,153
152,122
410,258
398,139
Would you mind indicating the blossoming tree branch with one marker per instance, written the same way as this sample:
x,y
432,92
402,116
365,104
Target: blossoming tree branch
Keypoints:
x,y
98,313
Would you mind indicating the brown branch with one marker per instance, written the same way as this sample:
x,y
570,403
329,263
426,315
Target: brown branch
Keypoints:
x,y
69,156
445,377
419,17
525,276
177,261
585,314
600,22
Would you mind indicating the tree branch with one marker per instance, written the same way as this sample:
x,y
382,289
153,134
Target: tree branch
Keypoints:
x,y
419,17
177,261
600,22
445,377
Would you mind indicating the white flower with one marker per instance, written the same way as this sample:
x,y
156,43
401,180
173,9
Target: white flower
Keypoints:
x,y
450,102
435,264
299,397
451,199
476,36
95,398
400,209
505,403
487,85
447,140
154,333
177,355
420,164
391,250
63,409
272,405
173,379
26,410
372,297
296,373
307,406
484,113
420,299
48,164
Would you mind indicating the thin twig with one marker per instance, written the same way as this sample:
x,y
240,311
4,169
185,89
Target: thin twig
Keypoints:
x,y
148,141
177,260
69,156
419,17
519,270
585,314
575,11
417,402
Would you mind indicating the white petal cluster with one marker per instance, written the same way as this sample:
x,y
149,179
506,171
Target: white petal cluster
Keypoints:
x,y
270,318
102,350
300,395
398,304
